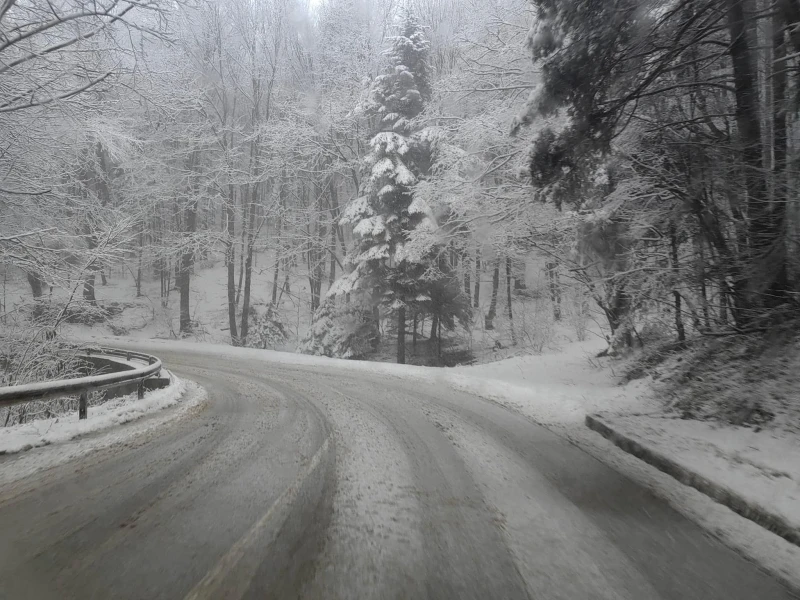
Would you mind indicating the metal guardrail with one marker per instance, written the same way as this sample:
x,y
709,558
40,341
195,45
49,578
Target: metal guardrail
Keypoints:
x,y
46,390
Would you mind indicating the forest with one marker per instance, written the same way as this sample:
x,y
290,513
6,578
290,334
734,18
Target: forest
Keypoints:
x,y
428,181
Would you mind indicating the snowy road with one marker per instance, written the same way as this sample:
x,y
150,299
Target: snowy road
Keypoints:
x,y
306,482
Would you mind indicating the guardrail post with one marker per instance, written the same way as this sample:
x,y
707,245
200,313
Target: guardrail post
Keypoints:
x,y
140,390
83,407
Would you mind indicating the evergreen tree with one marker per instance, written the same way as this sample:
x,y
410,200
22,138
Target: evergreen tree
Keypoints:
x,y
382,268
396,261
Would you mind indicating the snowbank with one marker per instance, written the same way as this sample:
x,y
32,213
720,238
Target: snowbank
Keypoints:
x,y
67,427
763,468
554,388
180,399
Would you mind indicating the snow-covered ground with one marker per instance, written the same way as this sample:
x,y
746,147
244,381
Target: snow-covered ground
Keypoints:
x,y
557,387
66,437
144,317
42,432
762,467
560,388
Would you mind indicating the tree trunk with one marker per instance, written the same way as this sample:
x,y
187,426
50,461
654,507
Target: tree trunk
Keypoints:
x,y
700,252
465,261
286,271
555,289
168,282
279,247
186,262
332,251
316,260
434,326
414,334
376,318
242,256
139,263
401,335
35,281
275,274
89,282
617,313
489,324
286,262
248,278
161,280
230,265
723,301
88,288
248,265
762,238
679,327
508,299
336,230
317,270
519,277
316,292
439,342
177,274
185,319
476,297
780,198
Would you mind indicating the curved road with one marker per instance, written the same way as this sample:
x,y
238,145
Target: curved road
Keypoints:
x,y
301,482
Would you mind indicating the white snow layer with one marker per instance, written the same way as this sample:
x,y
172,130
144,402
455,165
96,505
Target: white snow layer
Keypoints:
x,y
18,466
762,467
371,226
117,411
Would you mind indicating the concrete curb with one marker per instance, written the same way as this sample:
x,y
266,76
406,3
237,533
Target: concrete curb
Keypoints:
x,y
721,494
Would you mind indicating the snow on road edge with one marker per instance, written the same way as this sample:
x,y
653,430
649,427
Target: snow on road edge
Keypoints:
x,y
771,552
63,428
761,470
69,442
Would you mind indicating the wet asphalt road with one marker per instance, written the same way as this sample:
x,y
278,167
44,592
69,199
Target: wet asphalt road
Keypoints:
x,y
301,482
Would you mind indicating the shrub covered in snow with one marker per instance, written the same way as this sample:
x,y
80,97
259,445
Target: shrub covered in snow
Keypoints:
x,y
341,331
266,328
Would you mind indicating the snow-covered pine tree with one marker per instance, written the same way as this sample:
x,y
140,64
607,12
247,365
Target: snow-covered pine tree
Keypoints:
x,y
386,213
